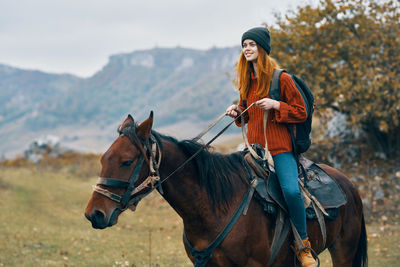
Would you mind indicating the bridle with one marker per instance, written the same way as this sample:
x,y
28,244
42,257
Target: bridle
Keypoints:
x,y
127,200
149,149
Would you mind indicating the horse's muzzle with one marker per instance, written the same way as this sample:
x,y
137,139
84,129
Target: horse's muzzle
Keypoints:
x,y
100,221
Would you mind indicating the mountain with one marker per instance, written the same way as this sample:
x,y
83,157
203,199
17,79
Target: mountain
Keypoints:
x,y
186,89
23,91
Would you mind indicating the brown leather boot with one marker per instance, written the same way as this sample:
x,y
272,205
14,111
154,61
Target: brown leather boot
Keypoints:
x,y
304,256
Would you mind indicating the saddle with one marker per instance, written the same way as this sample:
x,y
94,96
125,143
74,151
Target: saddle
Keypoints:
x,y
320,188
321,194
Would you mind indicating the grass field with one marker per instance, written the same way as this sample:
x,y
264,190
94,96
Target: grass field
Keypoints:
x,y
42,224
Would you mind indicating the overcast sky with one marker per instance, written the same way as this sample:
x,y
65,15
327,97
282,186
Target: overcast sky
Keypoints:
x,y
77,37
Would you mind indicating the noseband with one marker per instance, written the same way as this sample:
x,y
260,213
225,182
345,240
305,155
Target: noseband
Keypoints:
x,y
149,146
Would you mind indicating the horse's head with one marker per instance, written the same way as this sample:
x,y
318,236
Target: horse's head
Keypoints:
x,y
126,175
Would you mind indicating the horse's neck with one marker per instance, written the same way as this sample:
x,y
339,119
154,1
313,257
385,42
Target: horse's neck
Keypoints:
x,y
183,191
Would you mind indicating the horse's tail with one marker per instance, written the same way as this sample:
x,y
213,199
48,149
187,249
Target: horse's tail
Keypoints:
x,y
361,257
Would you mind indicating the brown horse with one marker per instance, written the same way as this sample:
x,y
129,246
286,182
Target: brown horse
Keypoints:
x,y
206,193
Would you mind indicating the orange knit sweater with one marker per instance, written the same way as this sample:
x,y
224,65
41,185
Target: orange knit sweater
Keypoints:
x,y
292,110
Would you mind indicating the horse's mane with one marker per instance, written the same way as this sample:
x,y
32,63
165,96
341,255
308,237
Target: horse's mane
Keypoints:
x,y
216,172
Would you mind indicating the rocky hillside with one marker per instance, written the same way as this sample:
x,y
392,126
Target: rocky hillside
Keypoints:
x,y
23,92
185,87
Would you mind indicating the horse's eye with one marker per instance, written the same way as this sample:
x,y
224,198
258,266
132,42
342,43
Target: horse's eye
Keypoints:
x,y
127,163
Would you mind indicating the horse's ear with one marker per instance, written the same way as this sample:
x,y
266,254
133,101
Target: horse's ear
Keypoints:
x,y
128,120
144,129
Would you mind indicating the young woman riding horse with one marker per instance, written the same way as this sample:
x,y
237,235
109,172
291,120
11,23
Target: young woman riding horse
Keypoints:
x,y
206,193
208,190
254,73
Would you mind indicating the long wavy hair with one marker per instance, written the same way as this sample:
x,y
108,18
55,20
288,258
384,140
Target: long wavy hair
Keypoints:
x,y
265,68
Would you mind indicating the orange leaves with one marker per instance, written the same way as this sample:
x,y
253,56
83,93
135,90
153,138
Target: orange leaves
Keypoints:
x,y
351,48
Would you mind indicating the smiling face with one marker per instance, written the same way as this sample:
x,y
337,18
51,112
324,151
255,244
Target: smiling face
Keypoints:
x,y
250,50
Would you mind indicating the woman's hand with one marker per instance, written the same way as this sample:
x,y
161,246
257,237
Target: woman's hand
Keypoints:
x,y
232,111
268,103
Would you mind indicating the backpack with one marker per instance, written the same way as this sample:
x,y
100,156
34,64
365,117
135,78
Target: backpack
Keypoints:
x,y
302,141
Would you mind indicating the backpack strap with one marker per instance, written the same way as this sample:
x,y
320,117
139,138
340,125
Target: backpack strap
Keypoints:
x,y
275,93
275,89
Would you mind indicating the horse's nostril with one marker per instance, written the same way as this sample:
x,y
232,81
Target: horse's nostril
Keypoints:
x,y
87,216
98,219
98,215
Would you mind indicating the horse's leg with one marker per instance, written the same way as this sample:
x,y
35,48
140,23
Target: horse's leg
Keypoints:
x,y
350,249
350,246
342,250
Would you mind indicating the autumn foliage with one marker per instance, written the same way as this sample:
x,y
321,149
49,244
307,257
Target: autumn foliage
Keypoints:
x,y
348,51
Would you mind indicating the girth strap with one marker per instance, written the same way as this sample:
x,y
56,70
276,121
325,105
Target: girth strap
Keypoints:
x,y
280,233
322,225
201,257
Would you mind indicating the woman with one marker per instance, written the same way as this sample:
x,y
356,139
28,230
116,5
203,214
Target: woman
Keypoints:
x,y
253,77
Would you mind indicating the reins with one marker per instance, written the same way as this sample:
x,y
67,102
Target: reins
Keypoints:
x,y
127,199
208,143
152,146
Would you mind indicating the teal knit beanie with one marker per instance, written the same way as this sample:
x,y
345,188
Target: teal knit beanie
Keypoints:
x,y
261,36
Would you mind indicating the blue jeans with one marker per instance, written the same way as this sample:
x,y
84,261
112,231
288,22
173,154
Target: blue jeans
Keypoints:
x,y
286,170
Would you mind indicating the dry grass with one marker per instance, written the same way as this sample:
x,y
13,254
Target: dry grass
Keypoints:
x,y
83,165
43,224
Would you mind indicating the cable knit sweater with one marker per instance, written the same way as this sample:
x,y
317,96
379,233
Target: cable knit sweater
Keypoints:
x,y
292,110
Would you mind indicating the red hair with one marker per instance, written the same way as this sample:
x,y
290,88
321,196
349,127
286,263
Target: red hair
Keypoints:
x,y
265,68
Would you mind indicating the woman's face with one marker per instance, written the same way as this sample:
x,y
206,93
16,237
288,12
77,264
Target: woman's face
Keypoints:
x,y
250,50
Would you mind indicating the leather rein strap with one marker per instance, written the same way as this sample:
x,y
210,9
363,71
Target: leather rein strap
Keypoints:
x,y
267,155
